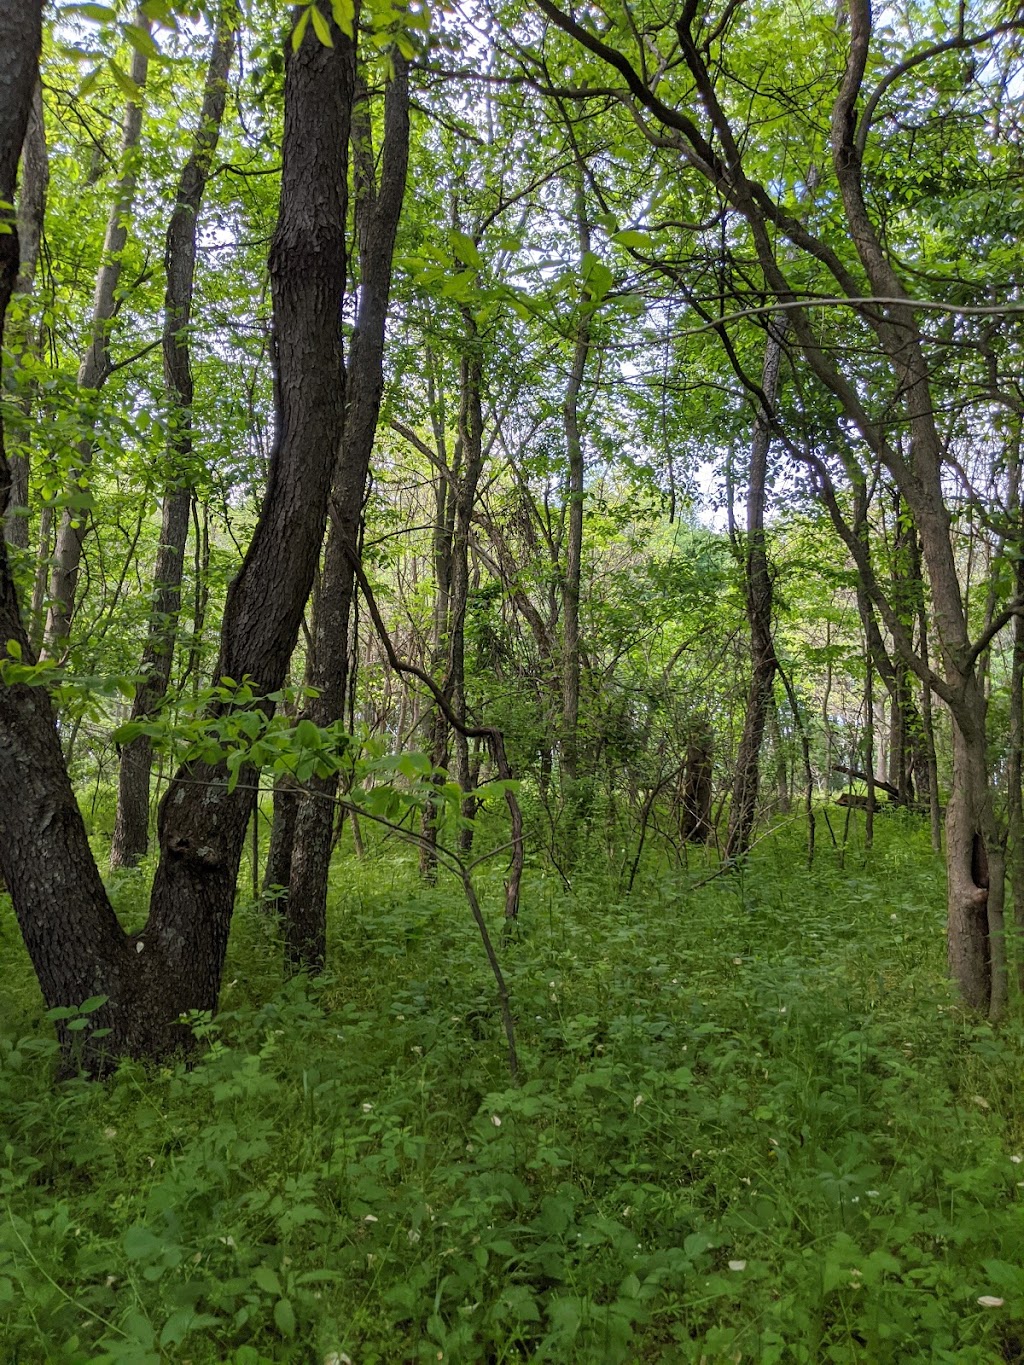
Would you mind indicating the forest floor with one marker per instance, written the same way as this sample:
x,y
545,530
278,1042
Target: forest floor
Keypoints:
x,y
751,1126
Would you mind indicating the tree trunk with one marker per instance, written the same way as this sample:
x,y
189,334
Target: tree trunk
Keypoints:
x,y
695,825
465,494
174,965
95,369
444,529
70,930
131,825
1015,813
574,498
377,215
759,595
35,177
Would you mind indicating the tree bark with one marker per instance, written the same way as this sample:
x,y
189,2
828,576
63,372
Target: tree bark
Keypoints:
x,y
174,965
35,178
70,930
131,825
695,825
377,214
759,601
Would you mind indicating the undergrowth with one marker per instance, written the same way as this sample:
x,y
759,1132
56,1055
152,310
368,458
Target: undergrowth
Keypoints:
x,y
752,1126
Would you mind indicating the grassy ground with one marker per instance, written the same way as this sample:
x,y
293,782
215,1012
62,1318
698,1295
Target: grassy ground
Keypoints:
x,y
751,1127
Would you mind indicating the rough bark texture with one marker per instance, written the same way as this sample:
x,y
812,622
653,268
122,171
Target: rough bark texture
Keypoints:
x,y
35,176
695,825
20,28
131,826
972,839
94,369
759,599
70,930
278,870
202,825
377,213
174,965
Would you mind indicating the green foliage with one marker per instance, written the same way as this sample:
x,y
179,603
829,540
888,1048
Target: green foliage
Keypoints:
x,y
751,1126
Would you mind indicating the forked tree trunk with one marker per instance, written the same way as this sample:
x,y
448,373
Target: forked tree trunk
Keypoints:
x,y
74,940
377,214
131,824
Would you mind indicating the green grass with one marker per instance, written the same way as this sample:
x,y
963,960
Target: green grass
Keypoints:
x,y
752,1126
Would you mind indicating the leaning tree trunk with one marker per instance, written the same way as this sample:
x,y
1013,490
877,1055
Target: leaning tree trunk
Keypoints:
x,y
174,965
95,368
131,824
759,595
377,215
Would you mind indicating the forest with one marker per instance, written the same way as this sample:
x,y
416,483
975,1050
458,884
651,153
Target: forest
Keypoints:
x,y
511,682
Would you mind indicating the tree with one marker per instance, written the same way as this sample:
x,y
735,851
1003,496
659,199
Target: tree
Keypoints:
x,y
377,211
901,431
76,944
131,830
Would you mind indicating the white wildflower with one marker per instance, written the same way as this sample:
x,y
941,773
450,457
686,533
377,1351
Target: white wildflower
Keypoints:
x,y
990,1301
737,1265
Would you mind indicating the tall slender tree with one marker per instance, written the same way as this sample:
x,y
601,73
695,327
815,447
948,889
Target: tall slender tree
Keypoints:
x,y
131,827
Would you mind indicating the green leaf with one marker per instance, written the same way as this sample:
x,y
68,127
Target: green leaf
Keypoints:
x,y
139,1244
284,1317
464,248
101,14
299,31
597,278
344,12
141,40
267,1280
182,1322
13,649
123,81
320,27
632,238
307,734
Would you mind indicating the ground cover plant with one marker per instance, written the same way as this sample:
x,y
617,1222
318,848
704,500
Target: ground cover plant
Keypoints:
x,y
511,681
752,1124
